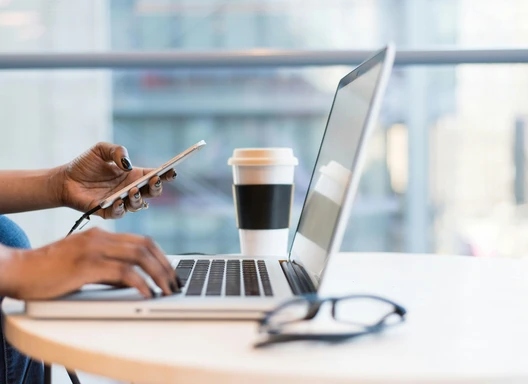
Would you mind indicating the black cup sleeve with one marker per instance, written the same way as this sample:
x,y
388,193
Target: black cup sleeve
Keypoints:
x,y
260,206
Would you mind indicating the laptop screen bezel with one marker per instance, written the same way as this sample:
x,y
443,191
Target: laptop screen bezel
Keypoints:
x,y
384,57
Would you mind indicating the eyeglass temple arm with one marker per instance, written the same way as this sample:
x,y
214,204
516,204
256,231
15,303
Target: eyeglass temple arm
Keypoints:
x,y
313,310
283,338
397,310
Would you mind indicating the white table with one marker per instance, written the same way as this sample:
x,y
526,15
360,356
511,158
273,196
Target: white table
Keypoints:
x,y
467,322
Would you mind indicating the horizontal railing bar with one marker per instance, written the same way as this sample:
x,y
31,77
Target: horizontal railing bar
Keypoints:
x,y
251,58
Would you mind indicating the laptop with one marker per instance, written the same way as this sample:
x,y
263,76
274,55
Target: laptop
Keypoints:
x,y
239,287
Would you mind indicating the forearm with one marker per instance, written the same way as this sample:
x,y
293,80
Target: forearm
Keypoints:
x,y
10,270
23,190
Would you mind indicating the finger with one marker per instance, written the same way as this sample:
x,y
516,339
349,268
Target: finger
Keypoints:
x,y
116,153
121,273
158,253
154,250
114,285
135,200
147,191
169,175
116,211
139,253
155,187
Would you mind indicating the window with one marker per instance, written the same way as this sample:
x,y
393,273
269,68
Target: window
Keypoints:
x,y
446,169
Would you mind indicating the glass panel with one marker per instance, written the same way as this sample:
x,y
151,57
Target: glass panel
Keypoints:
x,y
49,26
445,171
294,311
46,119
145,25
362,311
330,24
158,113
424,187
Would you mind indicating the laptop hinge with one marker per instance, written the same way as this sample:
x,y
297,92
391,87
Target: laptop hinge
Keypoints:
x,y
300,282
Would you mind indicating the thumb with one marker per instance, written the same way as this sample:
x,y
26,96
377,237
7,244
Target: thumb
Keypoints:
x,y
116,153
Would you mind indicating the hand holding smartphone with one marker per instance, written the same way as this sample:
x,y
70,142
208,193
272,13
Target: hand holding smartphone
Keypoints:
x,y
156,172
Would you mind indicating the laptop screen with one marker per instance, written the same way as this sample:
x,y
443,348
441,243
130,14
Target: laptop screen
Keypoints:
x,y
334,168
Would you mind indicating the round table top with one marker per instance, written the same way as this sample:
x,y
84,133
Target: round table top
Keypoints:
x,y
467,321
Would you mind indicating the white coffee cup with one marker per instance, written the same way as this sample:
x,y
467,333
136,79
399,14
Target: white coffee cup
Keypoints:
x,y
332,182
263,196
324,202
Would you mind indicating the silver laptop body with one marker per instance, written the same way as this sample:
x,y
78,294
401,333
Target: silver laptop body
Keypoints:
x,y
238,287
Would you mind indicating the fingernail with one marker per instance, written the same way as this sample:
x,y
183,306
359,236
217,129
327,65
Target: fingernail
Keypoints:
x,y
158,183
126,163
120,208
136,195
173,287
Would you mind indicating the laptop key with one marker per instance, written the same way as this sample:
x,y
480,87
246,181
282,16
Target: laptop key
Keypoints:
x,y
183,274
184,269
264,278
216,278
232,270
198,278
251,286
187,263
233,278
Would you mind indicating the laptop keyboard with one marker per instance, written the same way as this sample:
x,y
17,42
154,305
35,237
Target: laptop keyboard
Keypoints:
x,y
219,277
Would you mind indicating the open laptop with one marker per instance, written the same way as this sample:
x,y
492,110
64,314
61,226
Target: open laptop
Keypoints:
x,y
238,287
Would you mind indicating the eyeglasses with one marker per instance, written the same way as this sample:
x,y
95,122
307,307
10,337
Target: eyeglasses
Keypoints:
x,y
349,317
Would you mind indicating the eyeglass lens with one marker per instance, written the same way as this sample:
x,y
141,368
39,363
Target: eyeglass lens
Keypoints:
x,y
363,311
295,311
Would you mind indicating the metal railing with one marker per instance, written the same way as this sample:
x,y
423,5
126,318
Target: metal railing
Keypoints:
x,y
252,58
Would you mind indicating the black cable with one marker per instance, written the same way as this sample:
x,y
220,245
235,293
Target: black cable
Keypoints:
x,y
47,374
71,374
73,377
86,216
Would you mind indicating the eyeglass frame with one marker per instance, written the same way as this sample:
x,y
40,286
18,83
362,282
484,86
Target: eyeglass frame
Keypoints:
x,y
316,303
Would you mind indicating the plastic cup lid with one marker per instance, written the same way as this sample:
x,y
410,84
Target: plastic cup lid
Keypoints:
x,y
336,171
263,156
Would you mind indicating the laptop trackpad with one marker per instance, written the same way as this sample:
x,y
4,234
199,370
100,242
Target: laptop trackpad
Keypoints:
x,y
100,292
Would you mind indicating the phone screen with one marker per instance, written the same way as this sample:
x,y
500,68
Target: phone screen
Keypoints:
x,y
158,171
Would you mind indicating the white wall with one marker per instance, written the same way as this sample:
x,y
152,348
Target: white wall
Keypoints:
x,y
49,117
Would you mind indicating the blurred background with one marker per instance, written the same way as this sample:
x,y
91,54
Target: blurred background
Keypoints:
x,y
446,169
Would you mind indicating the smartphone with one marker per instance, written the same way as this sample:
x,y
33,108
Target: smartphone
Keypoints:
x,y
158,171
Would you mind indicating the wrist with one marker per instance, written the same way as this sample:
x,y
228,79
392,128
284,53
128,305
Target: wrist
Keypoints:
x,y
31,190
12,262
57,178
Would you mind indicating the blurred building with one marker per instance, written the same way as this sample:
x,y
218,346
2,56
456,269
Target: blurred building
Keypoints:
x,y
159,113
447,166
